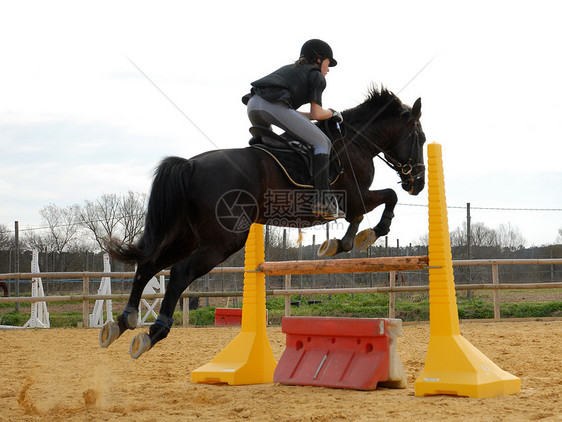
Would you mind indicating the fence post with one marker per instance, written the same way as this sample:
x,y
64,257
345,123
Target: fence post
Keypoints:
x,y
185,311
496,296
17,263
287,297
207,288
85,302
391,295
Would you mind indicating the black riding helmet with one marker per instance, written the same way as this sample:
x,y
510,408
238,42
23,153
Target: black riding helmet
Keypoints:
x,y
317,49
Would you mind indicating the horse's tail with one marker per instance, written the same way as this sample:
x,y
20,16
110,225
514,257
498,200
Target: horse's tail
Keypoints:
x,y
166,216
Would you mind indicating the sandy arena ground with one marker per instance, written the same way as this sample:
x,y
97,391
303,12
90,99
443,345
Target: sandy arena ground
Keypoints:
x,y
63,375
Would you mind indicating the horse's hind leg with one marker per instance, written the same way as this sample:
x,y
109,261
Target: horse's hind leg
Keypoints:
x,y
111,331
182,275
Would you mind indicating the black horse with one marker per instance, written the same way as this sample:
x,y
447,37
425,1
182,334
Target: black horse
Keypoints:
x,y
200,210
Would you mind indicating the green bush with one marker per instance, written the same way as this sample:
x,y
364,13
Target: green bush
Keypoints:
x,y
411,309
274,303
65,319
475,309
13,318
408,311
202,316
530,310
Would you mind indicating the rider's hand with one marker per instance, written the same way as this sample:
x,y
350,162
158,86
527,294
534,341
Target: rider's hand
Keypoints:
x,y
337,116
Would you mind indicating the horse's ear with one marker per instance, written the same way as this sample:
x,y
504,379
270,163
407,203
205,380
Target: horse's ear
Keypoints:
x,y
416,109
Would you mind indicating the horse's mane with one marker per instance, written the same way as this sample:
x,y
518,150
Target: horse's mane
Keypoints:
x,y
378,104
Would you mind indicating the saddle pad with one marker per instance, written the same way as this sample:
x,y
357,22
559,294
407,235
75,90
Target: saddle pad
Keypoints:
x,y
297,167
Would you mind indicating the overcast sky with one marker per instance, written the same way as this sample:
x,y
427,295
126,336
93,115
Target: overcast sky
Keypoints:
x,y
78,119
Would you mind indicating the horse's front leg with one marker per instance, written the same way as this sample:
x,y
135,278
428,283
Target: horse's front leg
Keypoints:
x,y
333,247
387,197
371,200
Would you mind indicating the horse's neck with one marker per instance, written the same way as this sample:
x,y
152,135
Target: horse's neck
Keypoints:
x,y
365,148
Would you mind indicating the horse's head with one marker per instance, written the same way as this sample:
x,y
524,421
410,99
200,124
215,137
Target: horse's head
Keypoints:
x,y
384,126
405,155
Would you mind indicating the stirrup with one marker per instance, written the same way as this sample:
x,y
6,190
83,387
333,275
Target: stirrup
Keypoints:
x,y
326,210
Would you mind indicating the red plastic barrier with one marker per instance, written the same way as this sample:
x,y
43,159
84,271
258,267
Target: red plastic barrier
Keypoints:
x,y
353,353
228,316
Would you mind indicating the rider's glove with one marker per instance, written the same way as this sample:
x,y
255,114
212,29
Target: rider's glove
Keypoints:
x,y
337,116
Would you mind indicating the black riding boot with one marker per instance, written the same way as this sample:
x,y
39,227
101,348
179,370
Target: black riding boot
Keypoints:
x,y
326,204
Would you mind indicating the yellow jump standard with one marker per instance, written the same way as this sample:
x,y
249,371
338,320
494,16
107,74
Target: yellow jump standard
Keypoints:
x,y
248,358
453,365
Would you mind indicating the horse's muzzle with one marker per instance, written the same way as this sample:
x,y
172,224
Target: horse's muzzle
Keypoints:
x,y
414,183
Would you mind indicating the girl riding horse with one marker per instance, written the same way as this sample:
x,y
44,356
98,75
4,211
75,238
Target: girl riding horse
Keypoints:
x,y
275,98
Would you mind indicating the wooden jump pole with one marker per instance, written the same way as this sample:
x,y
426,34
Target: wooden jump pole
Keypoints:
x,y
338,266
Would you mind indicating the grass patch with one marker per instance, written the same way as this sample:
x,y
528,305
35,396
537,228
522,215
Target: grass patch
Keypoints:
x,y
14,318
409,307
202,316
408,311
475,309
531,310
363,305
65,319
413,307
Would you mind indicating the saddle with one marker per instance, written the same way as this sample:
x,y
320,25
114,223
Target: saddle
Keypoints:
x,y
294,156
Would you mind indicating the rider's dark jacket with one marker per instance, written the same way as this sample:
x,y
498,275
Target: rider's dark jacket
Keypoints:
x,y
293,85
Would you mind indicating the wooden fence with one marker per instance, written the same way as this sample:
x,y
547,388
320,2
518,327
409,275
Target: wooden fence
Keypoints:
x,y
288,268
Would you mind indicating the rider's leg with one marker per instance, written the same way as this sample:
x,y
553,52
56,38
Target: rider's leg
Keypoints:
x,y
256,116
326,204
264,113
255,112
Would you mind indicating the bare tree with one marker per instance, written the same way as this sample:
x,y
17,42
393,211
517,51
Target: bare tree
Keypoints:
x,y
33,239
114,215
133,210
62,225
480,235
423,240
101,217
559,237
510,237
59,235
6,238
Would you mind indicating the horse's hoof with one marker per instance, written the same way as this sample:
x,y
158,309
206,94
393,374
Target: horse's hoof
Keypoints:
x,y
139,345
109,333
365,239
330,247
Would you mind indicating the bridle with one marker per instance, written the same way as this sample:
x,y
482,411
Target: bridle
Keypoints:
x,y
410,168
403,169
